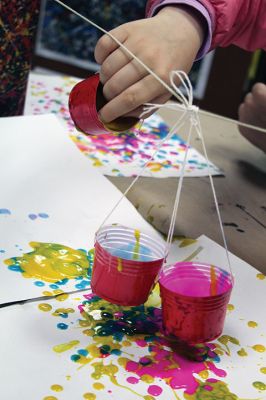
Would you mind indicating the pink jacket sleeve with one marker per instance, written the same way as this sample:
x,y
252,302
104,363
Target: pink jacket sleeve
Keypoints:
x,y
239,22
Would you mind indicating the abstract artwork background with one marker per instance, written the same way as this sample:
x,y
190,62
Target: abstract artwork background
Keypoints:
x,y
117,154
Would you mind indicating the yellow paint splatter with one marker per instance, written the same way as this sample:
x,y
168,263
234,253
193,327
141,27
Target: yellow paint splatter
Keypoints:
x,y
89,396
204,374
263,370
119,265
57,388
226,339
187,242
60,348
47,293
65,311
68,377
259,348
259,385
45,307
252,324
261,276
242,353
50,398
98,386
51,262
230,307
62,297
147,378
148,397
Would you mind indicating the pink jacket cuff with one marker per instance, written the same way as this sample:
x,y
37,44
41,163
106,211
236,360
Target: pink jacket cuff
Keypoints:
x,y
196,5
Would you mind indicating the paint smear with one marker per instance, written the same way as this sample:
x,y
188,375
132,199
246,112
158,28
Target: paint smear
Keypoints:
x,y
137,245
51,262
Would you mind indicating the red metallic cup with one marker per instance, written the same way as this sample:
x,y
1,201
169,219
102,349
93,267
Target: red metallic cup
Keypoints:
x,y
85,100
194,301
126,265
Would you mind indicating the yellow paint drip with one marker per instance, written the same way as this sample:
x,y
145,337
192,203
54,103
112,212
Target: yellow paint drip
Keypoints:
x,y
213,281
119,265
259,385
242,353
89,396
57,388
45,307
187,242
137,245
60,348
98,386
263,370
51,262
252,324
259,348
261,276
148,397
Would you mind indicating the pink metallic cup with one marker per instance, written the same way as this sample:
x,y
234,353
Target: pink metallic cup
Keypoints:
x,y
194,301
125,269
85,100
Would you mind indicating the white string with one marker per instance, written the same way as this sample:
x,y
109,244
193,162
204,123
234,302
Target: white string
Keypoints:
x,y
180,122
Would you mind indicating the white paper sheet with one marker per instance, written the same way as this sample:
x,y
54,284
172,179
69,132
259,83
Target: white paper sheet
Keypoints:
x,y
51,194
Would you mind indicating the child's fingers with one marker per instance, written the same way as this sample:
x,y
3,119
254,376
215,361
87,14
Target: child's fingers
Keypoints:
x,y
106,45
112,64
123,79
133,97
158,100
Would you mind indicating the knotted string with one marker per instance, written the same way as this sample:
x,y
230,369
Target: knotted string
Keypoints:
x,y
189,113
192,115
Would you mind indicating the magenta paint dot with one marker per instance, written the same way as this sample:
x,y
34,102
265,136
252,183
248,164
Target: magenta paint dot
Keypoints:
x,y
155,390
209,388
132,380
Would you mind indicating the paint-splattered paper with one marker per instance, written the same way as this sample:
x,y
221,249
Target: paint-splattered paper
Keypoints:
x,y
113,154
84,348
52,202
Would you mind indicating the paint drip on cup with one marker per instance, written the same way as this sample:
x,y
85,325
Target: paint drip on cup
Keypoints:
x,y
85,101
126,265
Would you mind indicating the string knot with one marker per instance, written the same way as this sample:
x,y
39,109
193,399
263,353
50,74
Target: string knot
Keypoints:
x,y
183,93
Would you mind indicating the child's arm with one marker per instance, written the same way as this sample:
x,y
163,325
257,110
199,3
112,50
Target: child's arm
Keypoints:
x,y
168,41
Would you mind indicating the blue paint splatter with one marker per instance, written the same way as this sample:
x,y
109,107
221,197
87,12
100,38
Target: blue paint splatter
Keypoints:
x,y
4,211
43,215
2,251
15,268
32,216
39,283
62,326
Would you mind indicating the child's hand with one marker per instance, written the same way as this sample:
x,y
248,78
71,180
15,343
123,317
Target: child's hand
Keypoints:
x,y
166,42
253,111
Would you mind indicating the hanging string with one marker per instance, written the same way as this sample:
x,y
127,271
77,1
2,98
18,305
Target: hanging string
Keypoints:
x,y
189,111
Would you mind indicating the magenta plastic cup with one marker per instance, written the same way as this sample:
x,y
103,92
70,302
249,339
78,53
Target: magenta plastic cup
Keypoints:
x,y
194,301
85,100
126,265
